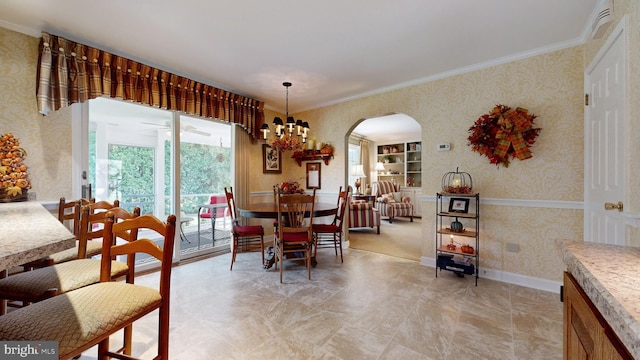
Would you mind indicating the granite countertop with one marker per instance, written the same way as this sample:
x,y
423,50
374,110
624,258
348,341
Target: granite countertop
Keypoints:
x,y
610,276
29,232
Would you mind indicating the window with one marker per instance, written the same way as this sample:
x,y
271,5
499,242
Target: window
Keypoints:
x,y
131,159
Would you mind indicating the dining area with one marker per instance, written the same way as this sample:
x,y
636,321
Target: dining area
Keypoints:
x,y
32,232
299,227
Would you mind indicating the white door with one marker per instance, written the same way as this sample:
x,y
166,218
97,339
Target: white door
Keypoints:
x,y
605,145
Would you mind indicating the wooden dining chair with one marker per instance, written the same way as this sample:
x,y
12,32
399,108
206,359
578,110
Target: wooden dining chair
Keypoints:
x,y
42,283
295,235
83,318
245,237
330,235
69,215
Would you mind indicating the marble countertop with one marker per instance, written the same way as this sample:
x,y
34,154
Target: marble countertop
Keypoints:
x,y
29,232
610,276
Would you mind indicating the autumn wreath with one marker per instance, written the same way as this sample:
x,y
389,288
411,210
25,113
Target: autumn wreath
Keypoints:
x,y
504,133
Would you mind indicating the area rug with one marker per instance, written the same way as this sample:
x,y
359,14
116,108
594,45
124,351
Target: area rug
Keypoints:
x,y
401,238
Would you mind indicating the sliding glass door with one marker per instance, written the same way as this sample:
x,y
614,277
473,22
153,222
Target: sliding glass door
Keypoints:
x,y
131,158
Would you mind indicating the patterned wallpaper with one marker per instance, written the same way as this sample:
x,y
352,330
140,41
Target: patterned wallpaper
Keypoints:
x,y
47,140
549,85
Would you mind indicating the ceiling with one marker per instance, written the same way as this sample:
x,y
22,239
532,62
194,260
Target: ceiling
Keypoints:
x,y
332,50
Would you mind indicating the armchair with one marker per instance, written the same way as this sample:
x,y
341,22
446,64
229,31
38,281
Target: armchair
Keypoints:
x,y
362,213
389,201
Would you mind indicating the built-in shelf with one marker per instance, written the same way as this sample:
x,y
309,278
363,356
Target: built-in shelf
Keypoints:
x,y
402,162
310,155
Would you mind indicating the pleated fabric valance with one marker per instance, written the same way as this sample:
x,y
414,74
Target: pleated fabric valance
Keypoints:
x,y
70,72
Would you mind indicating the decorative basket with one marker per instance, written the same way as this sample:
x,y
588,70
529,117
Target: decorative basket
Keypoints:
x,y
5,198
457,183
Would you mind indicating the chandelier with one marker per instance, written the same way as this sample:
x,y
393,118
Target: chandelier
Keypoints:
x,y
287,136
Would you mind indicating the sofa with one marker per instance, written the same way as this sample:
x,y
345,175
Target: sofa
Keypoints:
x,y
390,202
363,214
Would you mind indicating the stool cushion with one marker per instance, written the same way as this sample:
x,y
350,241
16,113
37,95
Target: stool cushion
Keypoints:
x,y
80,316
93,248
248,230
325,228
295,236
37,284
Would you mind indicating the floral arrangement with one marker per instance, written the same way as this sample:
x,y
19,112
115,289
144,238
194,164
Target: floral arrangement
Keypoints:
x,y
13,172
290,187
285,143
504,133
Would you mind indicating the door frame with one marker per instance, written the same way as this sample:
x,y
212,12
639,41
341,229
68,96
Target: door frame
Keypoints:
x,y
618,34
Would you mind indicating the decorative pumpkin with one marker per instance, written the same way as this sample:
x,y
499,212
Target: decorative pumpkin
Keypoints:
x,y
451,245
326,148
467,249
456,225
457,183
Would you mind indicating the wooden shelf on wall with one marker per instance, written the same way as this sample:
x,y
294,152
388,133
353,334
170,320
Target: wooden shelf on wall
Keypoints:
x,y
310,155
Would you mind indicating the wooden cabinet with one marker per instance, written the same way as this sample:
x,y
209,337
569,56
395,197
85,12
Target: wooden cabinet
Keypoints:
x,y
458,245
402,163
586,334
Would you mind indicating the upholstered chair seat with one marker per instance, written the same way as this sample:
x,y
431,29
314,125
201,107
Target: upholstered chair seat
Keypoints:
x,y
37,285
80,314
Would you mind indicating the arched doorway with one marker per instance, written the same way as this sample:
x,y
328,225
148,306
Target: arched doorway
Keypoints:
x,y
401,237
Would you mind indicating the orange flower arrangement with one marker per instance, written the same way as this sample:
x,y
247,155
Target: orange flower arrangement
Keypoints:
x,y
504,133
290,187
13,172
285,143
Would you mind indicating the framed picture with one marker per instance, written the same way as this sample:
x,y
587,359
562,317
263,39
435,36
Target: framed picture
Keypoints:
x,y
459,205
313,175
271,160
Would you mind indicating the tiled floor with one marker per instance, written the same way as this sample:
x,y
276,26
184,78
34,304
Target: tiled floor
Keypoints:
x,y
370,307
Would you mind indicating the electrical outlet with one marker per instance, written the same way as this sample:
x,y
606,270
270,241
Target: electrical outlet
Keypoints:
x,y
511,247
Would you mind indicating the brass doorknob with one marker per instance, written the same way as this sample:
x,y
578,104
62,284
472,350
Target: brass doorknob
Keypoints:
x,y
611,206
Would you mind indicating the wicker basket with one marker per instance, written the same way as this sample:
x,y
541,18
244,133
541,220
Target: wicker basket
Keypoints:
x,y
5,198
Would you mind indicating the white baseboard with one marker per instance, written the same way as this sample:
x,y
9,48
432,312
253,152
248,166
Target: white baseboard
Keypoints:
x,y
507,277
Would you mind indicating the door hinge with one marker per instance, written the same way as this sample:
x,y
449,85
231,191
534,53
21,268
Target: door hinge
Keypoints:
x,y
586,99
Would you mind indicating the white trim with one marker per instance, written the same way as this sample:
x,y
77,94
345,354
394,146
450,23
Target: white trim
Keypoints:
x,y
506,277
483,65
619,29
21,29
546,204
619,32
79,140
51,206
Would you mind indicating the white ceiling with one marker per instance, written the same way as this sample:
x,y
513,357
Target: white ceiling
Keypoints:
x,y
331,50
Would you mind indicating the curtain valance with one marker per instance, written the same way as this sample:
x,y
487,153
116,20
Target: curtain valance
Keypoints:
x,y
70,72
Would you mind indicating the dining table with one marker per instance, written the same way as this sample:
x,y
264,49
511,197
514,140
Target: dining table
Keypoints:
x,y
269,210
29,232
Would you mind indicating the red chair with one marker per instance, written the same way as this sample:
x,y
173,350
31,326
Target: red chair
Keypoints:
x,y
205,212
245,237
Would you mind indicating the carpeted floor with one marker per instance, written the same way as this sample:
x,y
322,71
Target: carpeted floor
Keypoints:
x,y
400,238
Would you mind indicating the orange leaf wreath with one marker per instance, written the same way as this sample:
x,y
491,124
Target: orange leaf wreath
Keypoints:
x,y
504,133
